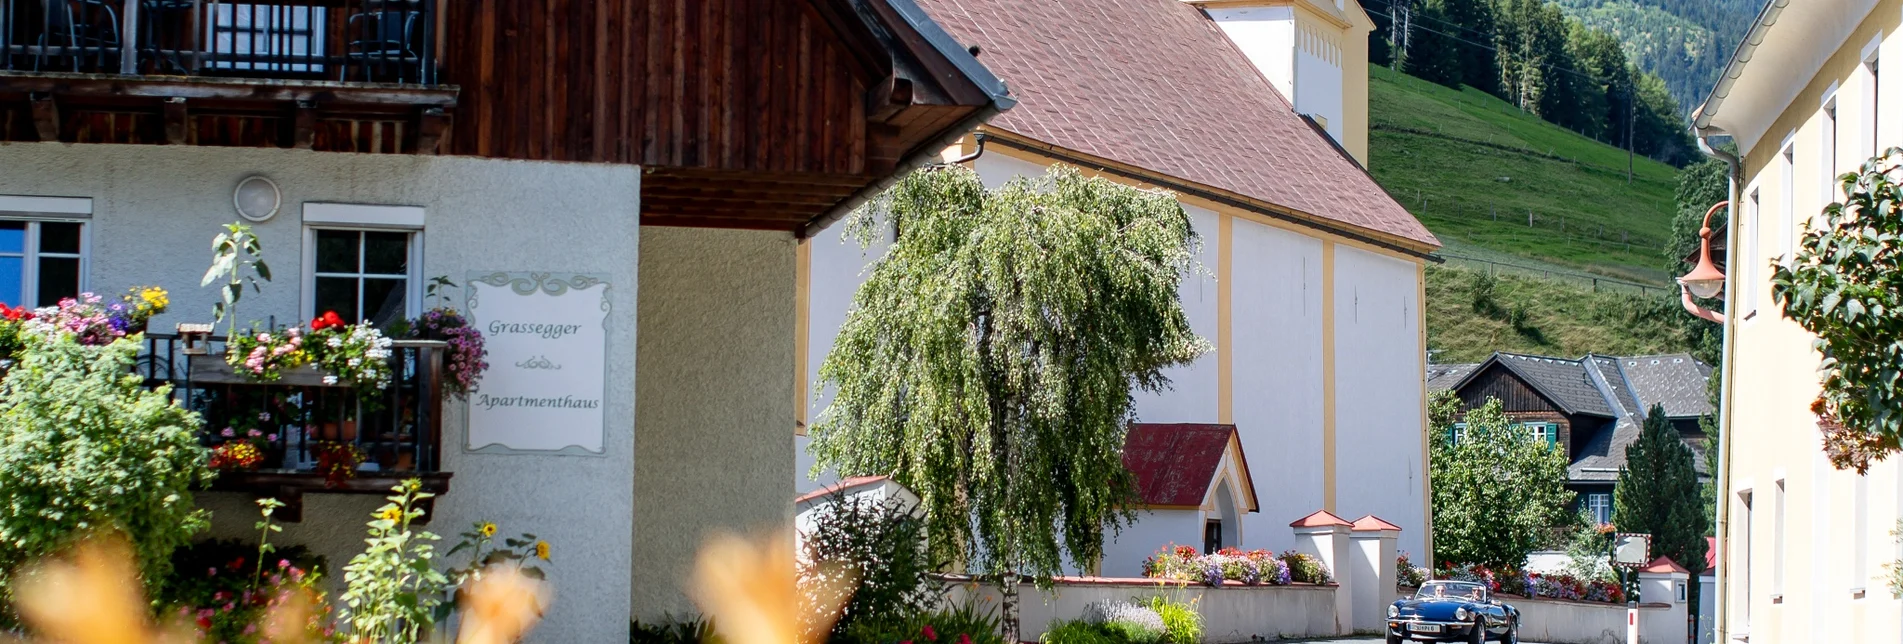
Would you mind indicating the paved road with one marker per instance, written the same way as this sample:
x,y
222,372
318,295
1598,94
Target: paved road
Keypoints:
x,y
1359,640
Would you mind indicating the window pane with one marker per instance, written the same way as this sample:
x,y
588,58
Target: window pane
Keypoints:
x,y
59,278
59,237
12,236
383,300
10,280
386,253
337,252
337,294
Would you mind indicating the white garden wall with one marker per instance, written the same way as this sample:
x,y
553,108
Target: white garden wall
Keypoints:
x,y
1231,614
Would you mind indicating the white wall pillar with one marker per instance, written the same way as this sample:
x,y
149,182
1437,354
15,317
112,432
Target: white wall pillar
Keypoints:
x,y
1326,537
1659,588
1371,563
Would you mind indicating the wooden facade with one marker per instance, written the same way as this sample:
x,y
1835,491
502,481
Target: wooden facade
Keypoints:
x,y
1521,402
764,114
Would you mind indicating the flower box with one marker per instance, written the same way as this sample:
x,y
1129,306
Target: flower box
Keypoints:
x,y
214,370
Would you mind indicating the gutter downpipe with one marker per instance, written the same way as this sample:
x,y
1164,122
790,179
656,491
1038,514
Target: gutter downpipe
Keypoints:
x,y
1703,128
1721,495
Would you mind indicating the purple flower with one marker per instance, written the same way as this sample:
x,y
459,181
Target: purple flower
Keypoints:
x,y
228,433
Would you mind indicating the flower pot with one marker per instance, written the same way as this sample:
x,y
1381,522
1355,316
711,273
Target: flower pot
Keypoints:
x,y
343,432
213,369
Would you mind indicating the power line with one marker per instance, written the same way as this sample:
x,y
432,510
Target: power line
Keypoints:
x,y
1492,48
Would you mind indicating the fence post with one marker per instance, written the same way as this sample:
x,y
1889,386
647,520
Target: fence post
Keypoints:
x,y
1529,218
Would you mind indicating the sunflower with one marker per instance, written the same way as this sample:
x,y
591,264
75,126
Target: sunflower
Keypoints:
x,y
488,529
391,513
541,550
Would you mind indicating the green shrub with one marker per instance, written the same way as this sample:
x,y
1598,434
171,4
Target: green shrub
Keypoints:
x,y
882,545
674,630
84,445
1306,569
962,624
1132,632
1077,631
1181,623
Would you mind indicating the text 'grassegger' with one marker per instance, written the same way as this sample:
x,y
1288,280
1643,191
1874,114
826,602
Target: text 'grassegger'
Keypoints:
x,y
547,331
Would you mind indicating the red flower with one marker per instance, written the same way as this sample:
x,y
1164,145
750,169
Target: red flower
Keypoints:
x,y
929,634
964,638
328,320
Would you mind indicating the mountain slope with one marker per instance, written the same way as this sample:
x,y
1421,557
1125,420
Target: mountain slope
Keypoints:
x,y
1684,42
1473,168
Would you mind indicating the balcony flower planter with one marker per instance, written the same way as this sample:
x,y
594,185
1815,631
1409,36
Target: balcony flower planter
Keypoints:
x,y
214,370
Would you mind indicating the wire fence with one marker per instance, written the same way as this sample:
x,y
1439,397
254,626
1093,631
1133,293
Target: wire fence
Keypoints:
x,y
1598,283
1554,225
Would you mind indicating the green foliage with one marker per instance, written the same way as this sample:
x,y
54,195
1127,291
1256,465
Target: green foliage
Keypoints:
x,y
674,630
1497,493
1078,631
1893,571
236,260
1658,493
989,357
1560,318
480,542
1305,568
216,585
392,587
1181,623
1132,632
952,625
85,446
1685,42
1845,286
880,545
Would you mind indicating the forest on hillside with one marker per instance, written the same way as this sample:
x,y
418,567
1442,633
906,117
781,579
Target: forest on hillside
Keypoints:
x,y
1585,65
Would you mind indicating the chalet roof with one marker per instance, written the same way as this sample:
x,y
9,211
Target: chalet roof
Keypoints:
x,y
851,483
1605,373
1441,377
1156,85
1176,465
1675,380
1602,457
1564,381
1664,565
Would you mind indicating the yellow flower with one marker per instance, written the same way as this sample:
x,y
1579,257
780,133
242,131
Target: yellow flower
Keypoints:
x,y
155,297
488,529
391,513
541,550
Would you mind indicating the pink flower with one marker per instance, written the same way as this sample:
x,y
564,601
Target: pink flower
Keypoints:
x,y
254,433
271,437
211,572
228,433
929,634
284,563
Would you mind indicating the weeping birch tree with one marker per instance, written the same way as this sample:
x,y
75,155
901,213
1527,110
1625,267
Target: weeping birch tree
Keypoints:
x,y
989,359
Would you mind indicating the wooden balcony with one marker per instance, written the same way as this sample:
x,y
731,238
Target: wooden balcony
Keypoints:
x,y
349,75
397,430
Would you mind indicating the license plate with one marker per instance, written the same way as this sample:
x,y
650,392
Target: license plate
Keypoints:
x,y
1425,628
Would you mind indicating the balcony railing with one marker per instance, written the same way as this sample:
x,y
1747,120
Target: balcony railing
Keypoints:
x,y
397,430
371,41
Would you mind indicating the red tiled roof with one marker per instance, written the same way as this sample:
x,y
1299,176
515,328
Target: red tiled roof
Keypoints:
x,y
847,484
1711,553
1664,565
1318,519
1372,523
1155,84
1175,465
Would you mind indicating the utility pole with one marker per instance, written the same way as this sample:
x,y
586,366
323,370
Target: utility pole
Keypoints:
x,y
1628,129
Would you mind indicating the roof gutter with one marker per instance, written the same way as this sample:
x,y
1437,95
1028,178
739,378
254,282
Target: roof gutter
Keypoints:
x,y
1722,494
998,97
1742,55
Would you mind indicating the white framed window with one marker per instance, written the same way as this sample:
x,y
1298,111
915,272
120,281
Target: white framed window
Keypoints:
x,y
1749,226
363,262
1777,543
44,249
266,37
1787,214
1458,433
1543,432
1741,559
1860,572
1871,140
1599,506
1827,153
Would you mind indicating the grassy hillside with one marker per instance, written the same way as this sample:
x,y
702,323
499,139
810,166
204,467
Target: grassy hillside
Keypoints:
x,y
1472,167
1470,316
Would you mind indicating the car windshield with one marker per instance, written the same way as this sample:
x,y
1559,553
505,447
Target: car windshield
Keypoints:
x,y
1452,590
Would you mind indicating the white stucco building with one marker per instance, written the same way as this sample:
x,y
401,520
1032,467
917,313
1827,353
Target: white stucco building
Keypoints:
x,y
1254,113
634,211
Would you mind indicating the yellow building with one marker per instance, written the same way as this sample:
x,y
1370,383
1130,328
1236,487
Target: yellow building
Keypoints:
x,y
1811,93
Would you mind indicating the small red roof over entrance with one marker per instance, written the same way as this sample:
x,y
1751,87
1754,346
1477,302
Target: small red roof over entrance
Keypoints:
x,y
1318,519
1664,565
1372,523
1176,464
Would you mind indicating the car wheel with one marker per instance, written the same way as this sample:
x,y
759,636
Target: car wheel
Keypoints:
x,y
1394,639
1479,631
1513,633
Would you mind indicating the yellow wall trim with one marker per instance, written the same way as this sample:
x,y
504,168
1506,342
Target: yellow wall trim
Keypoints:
x,y
1225,334
1427,483
1328,375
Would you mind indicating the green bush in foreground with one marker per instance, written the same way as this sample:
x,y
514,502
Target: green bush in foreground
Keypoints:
x,y
1181,623
85,446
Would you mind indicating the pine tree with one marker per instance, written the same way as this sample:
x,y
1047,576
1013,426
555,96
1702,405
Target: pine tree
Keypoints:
x,y
1658,494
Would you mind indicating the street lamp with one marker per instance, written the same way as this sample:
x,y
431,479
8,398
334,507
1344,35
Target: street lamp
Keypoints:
x,y
1705,280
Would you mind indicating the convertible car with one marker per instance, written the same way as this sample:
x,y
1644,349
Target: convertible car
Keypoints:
x,y
1453,611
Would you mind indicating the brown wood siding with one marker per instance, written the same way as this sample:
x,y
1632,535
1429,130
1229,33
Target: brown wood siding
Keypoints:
x,y
1514,394
748,85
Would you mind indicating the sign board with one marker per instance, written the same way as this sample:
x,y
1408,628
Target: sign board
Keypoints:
x,y
546,387
1631,550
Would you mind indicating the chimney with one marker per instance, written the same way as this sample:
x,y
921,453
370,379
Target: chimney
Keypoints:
x,y
1315,52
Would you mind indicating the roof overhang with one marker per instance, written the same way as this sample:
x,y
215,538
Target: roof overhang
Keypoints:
x,y
1779,55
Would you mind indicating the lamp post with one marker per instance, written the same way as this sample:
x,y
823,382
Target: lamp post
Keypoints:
x,y
1705,280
